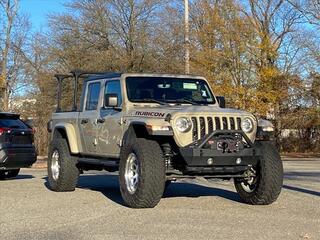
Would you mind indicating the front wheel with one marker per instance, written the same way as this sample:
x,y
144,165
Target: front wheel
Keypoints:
x,y
142,173
265,187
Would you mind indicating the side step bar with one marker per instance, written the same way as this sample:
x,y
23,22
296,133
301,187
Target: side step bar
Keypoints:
x,y
175,177
98,164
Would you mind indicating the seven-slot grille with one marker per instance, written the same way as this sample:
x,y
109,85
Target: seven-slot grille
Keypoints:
x,y
205,125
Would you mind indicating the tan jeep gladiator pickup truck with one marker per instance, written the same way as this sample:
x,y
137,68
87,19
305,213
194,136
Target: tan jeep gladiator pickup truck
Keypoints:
x,y
156,128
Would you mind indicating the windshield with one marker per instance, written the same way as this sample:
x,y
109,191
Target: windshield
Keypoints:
x,y
168,90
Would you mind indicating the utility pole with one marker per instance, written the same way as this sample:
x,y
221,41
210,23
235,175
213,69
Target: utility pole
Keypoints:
x,y
186,36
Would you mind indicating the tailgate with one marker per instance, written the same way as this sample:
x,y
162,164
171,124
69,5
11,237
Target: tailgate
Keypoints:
x,y
21,137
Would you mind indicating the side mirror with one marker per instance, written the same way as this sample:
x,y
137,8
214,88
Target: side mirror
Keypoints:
x,y
111,100
222,102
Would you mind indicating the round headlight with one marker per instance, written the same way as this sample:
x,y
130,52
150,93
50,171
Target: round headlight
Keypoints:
x,y
247,125
183,124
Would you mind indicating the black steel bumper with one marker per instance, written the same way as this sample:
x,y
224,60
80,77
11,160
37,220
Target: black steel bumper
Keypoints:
x,y
201,159
13,158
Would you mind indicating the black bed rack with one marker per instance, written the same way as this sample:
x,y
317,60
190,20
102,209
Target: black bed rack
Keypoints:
x,y
76,75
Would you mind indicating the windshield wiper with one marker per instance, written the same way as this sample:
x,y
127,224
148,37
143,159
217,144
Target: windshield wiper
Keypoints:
x,y
188,101
152,100
182,100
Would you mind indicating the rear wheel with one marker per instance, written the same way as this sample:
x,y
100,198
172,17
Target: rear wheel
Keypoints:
x,y
265,187
142,173
62,170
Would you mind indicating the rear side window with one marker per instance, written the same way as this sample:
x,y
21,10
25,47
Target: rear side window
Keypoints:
x,y
12,123
93,96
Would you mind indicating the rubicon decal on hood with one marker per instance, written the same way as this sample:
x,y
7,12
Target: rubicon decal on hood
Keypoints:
x,y
149,114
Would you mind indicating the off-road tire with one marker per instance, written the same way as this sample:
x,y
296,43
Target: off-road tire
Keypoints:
x,y
269,177
68,173
5,174
151,182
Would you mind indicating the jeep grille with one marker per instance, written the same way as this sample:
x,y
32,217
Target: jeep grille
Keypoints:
x,y
206,125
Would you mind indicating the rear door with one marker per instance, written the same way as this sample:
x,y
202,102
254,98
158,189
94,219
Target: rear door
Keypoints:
x,y
88,117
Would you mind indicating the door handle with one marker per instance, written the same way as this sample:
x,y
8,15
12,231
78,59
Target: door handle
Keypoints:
x,y
84,121
101,120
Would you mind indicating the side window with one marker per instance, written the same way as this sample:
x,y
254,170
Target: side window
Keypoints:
x,y
114,87
93,96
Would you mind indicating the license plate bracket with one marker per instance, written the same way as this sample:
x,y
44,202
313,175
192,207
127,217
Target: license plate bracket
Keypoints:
x,y
228,145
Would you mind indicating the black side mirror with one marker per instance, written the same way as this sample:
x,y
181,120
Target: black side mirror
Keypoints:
x,y
111,100
222,102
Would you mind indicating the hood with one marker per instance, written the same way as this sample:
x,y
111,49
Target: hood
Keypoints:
x,y
163,110
203,118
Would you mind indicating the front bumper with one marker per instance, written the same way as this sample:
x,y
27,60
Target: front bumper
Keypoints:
x,y
13,158
201,160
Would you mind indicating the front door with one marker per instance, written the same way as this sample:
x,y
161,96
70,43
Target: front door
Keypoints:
x,y
110,129
88,124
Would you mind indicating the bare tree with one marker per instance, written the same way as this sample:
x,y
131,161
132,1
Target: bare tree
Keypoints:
x,y
310,9
12,41
132,21
122,28
9,10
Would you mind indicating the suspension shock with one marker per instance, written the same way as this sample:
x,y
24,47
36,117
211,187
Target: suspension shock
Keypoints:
x,y
167,155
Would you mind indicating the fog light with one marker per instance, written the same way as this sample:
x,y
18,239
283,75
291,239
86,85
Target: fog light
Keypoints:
x,y
210,161
238,161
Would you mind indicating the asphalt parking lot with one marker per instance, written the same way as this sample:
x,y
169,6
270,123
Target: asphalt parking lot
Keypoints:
x,y
190,209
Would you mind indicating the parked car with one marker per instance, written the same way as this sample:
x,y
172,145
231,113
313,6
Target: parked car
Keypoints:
x,y
17,148
155,128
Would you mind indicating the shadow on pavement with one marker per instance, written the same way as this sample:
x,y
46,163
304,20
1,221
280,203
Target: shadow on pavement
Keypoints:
x,y
306,176
180,189
108,185
302,190
23,176
19,177
301,160
302,174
